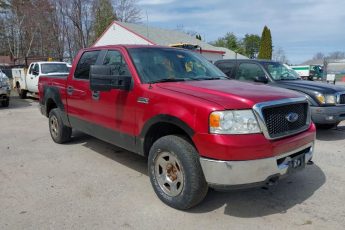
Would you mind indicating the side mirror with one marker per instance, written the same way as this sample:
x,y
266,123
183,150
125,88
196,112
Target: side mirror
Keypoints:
x,y
261,79
35,72
103,79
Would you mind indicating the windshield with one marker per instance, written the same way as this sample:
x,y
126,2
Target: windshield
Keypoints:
x,y
54,68
168,64
281,72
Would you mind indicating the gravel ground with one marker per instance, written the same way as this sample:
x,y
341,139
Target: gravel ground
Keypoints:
x,y
89,184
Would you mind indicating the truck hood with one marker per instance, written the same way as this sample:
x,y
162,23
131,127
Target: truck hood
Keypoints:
x,y
230,94
307,86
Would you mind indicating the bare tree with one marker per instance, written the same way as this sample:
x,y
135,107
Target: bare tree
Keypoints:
x,y
181,28
279,55
53,28
79,12
319,56
127,11
336,55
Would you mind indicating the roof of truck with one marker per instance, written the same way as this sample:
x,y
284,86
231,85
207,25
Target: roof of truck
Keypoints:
x,y
49,62
129,46
246,60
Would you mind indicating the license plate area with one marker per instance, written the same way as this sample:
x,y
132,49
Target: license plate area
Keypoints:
x,y
296,163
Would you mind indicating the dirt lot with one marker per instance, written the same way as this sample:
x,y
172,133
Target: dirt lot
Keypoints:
x,y
89,184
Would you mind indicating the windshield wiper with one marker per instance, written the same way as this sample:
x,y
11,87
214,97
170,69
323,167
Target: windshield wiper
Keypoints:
x,y
166,80
205,78
290,79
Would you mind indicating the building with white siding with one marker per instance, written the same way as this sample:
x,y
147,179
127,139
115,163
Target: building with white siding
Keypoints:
x,y
129,33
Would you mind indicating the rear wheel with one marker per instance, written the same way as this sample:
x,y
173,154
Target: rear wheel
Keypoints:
x,y
5,103
22,93
175,172
59,132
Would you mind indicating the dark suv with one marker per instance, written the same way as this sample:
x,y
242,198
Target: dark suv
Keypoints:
x,y
327,101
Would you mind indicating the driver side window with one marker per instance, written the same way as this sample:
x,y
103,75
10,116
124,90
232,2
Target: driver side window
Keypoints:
x,y
249,71
117,62
35,70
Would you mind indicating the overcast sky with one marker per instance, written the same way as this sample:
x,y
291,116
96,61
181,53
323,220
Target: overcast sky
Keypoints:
x,y
300,27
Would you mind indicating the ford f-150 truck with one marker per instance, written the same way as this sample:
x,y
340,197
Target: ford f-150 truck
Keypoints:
x,y
197,128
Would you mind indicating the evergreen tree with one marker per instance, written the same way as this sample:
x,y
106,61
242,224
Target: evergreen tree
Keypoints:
x,y
231,42
103,16
251,44
265,51
198,36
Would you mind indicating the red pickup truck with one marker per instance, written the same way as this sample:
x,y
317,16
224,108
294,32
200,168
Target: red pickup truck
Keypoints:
x,y
197,128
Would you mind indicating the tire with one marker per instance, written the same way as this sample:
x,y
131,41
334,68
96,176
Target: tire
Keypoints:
x,y
175,172
327,126
59,132
5,103
22,93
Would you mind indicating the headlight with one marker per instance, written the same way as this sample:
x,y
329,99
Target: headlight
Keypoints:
x,y
233,122
326,99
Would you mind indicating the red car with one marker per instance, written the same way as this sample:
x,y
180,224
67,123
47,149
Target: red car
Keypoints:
x,y
197,128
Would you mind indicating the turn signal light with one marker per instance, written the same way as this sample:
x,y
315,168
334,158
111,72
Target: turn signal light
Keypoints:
x,y
214,120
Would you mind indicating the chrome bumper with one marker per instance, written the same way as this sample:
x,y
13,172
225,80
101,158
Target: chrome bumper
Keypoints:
x,y
238,173
328,115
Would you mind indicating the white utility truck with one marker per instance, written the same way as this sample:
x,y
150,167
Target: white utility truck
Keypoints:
x,y
309,72
26,81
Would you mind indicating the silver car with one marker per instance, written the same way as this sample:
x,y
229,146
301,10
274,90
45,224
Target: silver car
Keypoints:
x,y
5,89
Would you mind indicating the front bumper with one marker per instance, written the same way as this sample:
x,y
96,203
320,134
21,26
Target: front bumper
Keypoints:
x,y
328,115
240,174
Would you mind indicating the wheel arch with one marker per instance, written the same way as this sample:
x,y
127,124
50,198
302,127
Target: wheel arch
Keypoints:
x,y
51,99
162,125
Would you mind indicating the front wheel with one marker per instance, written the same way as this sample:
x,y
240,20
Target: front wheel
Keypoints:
x,y
175,172
59,132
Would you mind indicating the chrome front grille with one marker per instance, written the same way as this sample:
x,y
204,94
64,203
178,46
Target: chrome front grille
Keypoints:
x,y
283,118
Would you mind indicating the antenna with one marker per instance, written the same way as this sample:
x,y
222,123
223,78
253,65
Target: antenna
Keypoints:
x,y
147,26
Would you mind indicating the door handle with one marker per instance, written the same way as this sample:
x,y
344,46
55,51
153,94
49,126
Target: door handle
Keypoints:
x,y
70,90
95,95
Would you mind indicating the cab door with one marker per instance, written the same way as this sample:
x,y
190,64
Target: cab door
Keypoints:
x,y
113,111
32,78
79,96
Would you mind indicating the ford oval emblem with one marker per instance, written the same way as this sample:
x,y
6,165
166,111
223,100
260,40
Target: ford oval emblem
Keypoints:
x,y
291,117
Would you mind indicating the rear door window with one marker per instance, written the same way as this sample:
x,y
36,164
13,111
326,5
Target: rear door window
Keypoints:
x,y
227,68
82,70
